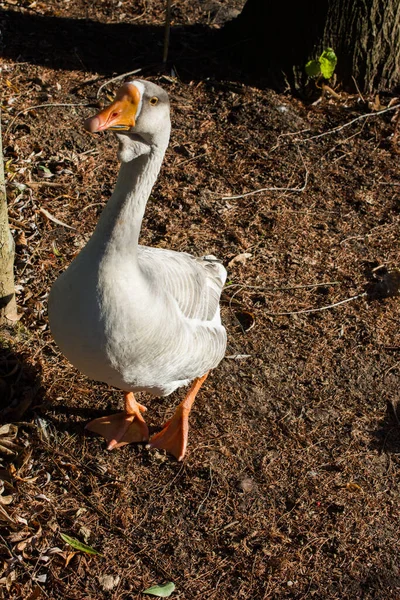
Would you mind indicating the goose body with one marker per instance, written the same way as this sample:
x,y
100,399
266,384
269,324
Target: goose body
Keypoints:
x,y
136,317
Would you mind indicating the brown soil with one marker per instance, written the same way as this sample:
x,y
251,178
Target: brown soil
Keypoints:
x,y
290,487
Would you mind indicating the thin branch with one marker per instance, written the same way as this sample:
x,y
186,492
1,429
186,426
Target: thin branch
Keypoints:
x,y
357,88
327,88
188,160
49,105
313,310
35,184
276,289
340,127
271,189
207,495
276,189
116,79
54,219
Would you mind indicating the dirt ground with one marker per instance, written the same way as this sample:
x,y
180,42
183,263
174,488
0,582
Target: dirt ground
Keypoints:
x,y
290,487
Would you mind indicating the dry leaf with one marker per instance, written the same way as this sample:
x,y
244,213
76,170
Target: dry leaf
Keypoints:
x,y
246,320
240,258
20,239
14,316
8,447
69,557
354,487
108,582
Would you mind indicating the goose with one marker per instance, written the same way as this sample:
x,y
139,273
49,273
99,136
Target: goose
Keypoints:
x,y
141,319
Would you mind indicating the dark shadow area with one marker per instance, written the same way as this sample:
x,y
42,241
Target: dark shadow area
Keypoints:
x,y
20,384
71,419
196,51
387,437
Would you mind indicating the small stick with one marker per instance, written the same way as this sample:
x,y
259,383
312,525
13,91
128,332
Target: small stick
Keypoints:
x,y
271,189
116,79
326,88
312,310
54,219
275,289
51,105
35,184
357,88
207,495
359,118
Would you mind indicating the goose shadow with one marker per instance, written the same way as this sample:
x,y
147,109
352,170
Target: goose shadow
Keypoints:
x,y
20,382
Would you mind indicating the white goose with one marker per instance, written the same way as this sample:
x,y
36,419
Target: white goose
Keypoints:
x,y
138,318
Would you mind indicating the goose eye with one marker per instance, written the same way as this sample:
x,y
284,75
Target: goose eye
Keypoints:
x,y
154,100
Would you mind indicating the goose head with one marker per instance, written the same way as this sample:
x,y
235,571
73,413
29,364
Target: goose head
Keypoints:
x,y
140,118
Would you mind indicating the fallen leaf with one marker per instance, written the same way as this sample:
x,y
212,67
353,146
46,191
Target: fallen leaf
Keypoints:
x,y
8,433
13,316
69,557
108,582
353,487
78,545
246,320
20,239
85,533
35,594
4,516
240,258
162,591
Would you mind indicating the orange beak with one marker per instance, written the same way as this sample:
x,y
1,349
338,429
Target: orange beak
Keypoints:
x,y
120,115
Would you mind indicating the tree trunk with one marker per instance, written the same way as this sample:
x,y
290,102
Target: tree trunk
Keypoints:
x,y
277,40
8,307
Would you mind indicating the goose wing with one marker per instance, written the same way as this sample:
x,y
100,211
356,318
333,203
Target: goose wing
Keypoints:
x,y
195,283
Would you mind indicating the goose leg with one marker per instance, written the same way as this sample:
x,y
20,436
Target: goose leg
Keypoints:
x,y
173,437
124,427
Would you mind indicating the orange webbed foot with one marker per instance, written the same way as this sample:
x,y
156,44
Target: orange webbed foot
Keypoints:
x,y
124,427
173,437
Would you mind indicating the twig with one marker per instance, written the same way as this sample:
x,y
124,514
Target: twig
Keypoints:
x,y
35,184
276,189
387,373
357,88
340,127
93,204
276,289
54,219
206,496
116,79
271,189
188,160
50,105
18,224
327,88
312,310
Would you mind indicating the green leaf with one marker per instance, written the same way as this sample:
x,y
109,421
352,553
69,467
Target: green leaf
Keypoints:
x,y
313,68
328,60
78,545
162,591
46,170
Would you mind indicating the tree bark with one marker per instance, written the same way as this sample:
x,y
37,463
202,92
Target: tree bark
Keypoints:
x,y
8,307
277,40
